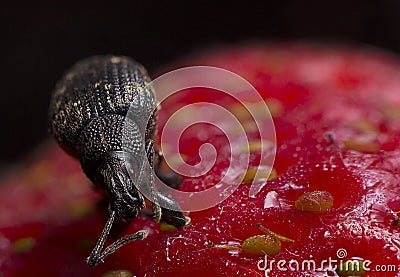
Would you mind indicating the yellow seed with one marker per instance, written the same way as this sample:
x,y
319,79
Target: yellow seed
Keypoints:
x,y
261,245
275,107
174,159
259,145
362,144
248,110
177,159
273,174
23,245
315,201
351,267
250,126
392,112
118,273
240,111
259,108
258,174
38,176
165,227
86,244
364,126
79,209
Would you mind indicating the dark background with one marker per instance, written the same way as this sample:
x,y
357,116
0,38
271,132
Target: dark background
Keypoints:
x,y
40,41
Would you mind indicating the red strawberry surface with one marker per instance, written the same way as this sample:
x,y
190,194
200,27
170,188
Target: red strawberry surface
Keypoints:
x,y
336,112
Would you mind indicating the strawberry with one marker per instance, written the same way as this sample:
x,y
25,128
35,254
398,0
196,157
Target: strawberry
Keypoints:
x,y
333,192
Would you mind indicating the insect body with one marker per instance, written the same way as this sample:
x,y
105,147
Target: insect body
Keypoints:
x,y
87,115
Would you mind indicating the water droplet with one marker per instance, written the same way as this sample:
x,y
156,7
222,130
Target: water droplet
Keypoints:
x,y
271,200
327,234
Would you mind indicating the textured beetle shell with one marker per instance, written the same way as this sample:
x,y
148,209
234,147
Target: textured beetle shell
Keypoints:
x,y
89,105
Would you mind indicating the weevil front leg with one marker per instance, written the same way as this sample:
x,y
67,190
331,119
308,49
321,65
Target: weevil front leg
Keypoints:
x,y
163,171
98,255
154,199
170,211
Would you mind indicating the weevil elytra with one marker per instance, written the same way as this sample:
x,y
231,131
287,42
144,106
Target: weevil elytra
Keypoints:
x,y
87,113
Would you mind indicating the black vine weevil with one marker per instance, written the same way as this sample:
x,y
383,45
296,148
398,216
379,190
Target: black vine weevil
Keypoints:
x,y
87,115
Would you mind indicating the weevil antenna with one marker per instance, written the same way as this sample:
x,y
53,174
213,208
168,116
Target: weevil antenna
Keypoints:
x,y
93,259
97,256
150,156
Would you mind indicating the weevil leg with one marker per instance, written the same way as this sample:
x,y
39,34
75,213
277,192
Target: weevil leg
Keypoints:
x,y
139,235
150,156
163,172
170,211
93,259
97,255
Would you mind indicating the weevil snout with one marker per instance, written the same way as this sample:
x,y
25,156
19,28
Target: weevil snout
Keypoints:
x,y
126,202
126,208
112,176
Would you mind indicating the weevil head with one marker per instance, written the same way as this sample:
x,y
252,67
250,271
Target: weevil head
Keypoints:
x,y
111,152
111,175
